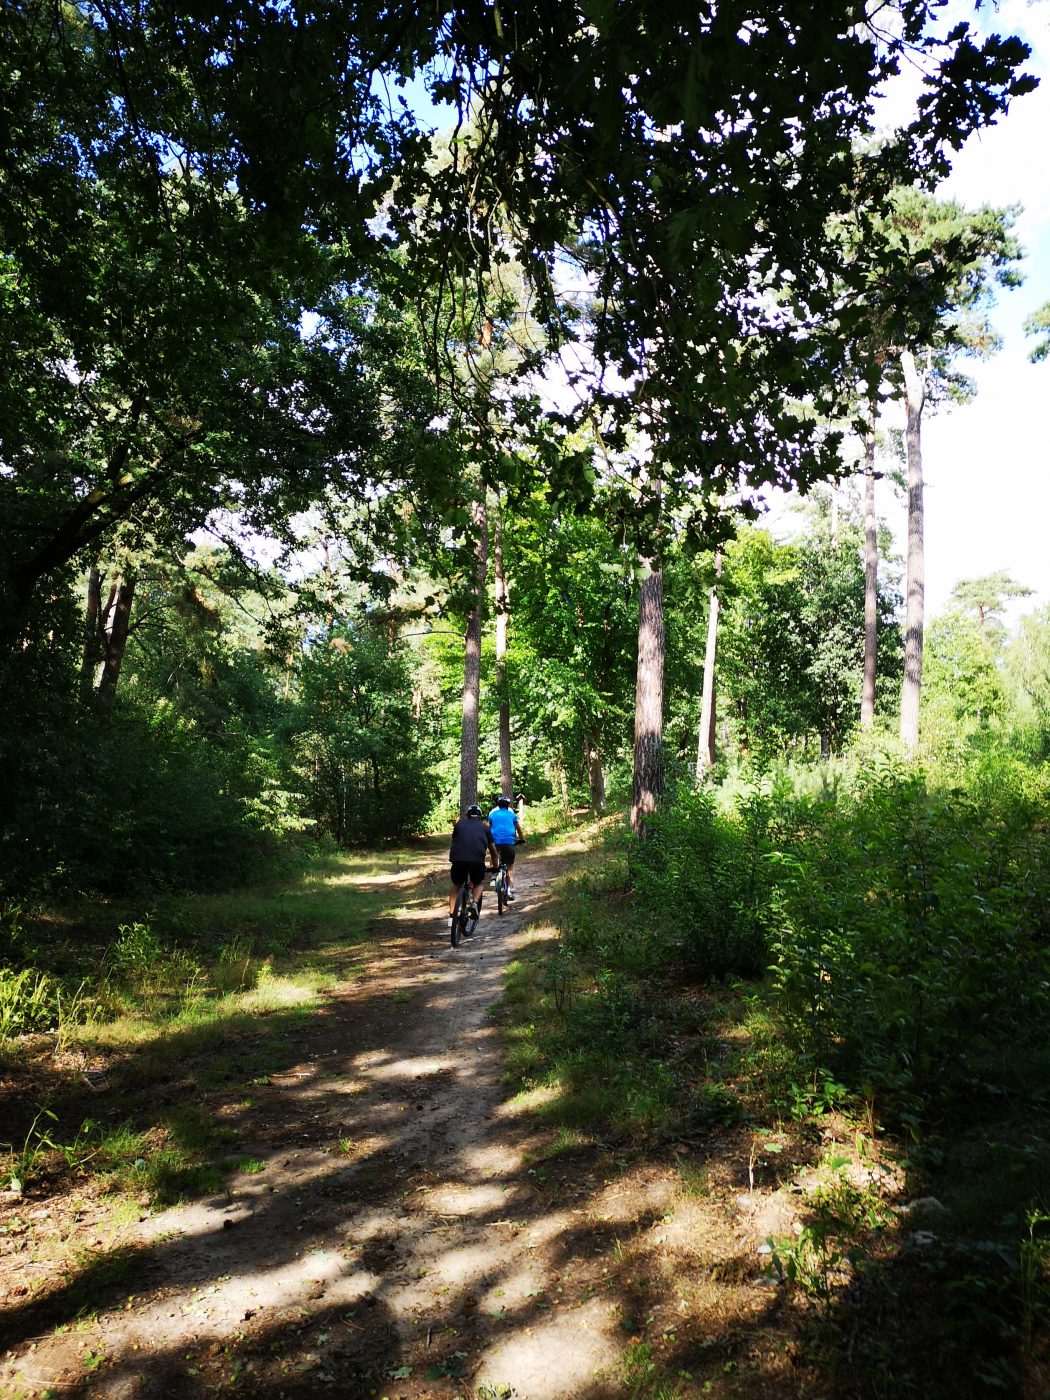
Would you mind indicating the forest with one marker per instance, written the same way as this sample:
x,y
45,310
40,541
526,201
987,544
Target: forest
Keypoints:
x,y
404,406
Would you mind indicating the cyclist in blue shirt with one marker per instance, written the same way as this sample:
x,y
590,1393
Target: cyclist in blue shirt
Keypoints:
x,y
505,831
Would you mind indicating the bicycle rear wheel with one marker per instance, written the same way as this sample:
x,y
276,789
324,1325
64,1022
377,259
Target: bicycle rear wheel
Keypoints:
x,y
459,915
501,889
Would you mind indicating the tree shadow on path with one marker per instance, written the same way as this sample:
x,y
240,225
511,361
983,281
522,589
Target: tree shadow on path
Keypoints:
x,y
401,1231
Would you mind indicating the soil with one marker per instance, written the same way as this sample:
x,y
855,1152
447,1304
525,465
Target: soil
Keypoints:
x,y
410,1233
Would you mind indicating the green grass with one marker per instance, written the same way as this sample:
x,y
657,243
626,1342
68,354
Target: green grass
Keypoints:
x,y
213,990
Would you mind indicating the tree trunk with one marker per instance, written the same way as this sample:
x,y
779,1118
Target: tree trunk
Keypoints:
x,y
871,580
914,392
649,702
116,622
562,774
506,775
595,771
329,583
468,752
92,632
705,753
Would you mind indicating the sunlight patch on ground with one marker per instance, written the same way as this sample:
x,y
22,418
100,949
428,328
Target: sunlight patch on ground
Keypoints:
x,y
403,876
199,1220
462,1266
401,1069
284,1287
275,993
527,1101
488,1163
537,933
554,1358
426,913
453,1199
547,1228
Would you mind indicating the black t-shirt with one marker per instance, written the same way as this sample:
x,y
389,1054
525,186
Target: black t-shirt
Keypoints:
x,y
470,841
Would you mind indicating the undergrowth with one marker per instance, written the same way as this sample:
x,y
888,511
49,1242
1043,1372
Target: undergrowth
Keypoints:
x,y
873,948
206,990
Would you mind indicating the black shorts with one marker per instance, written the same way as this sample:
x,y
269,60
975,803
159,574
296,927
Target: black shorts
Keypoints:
x,y
460,871
506,854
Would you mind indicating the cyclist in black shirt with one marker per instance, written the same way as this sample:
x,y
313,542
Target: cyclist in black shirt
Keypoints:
x,y
471,843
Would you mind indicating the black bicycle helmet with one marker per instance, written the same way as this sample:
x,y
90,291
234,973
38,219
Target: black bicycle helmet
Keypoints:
x,y
473,810
502,801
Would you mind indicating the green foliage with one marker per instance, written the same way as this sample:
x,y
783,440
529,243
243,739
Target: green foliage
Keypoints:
x,y
29,1001
362,740
1038,323
986,597
1026,676
573,626
791,641
903,919
136,802
901,916
700,885
963,689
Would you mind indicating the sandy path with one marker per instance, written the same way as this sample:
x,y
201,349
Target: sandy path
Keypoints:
x,y
396,1241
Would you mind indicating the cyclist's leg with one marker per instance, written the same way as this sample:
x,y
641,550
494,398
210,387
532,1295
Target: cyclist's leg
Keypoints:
x,y
477,885
508,855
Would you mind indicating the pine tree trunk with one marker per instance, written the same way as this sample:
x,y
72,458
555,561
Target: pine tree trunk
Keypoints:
x,y
871,580
506,775
468,759
116,623
705,753
914,391
92,632
649,702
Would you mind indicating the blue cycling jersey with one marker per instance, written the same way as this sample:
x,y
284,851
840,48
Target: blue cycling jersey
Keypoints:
x,y
501,819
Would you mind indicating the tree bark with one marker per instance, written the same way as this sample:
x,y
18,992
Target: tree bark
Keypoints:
x,y
705,753
871,579
116,622
506,774
92,632
914,394
649,702
561,772
595,771
468,752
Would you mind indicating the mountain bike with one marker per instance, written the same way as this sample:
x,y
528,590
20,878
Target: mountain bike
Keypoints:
x,y
502,883
463,923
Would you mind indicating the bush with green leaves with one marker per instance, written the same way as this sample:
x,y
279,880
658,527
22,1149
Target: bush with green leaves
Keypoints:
x,y
904,917
700,884
136,801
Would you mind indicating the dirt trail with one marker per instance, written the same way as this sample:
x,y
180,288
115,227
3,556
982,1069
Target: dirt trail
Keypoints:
x,y
395,1242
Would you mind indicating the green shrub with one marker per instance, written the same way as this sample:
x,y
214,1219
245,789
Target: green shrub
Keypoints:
x,y
699,883
903,915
